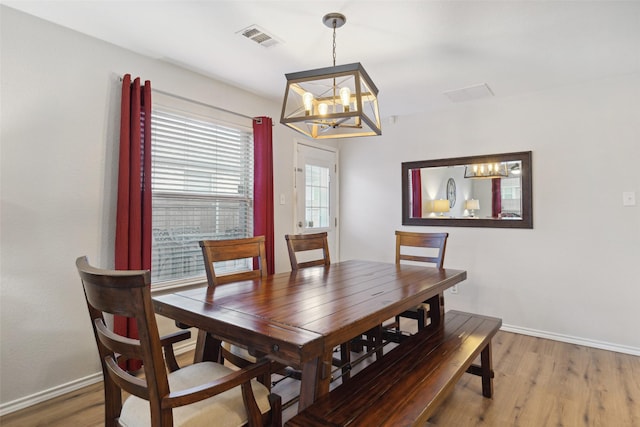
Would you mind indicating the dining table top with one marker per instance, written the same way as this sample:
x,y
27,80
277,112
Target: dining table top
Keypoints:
x,y
296,316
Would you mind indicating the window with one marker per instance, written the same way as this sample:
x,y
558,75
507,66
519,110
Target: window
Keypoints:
x,y
317,196
511,197
202,188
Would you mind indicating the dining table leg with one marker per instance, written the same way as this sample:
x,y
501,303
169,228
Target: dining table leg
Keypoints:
x,y
310,375
436,312
207,348
316,378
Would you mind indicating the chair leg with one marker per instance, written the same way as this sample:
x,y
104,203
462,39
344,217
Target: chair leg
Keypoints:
x,y
113,402
276,410
397,325
422,318
356,344
376,334
345,360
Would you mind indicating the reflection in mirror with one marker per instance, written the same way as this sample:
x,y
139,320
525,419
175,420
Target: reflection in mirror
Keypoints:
x,y
483,195
478,191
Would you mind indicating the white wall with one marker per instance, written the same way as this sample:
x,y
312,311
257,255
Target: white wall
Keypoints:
x,y
575,274
60,123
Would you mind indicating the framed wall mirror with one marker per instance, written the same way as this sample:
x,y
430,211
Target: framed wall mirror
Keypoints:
x,y
479,191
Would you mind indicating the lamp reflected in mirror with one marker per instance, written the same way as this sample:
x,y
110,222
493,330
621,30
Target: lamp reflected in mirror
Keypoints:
x,y
441,206
472,205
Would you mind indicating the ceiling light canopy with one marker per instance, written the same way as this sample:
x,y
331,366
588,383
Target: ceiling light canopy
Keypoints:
x,y
332,102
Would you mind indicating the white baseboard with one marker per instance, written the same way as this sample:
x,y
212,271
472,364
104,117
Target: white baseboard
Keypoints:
x,y
42,396
27,401
572,340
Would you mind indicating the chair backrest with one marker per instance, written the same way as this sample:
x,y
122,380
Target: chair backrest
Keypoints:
x,y
307,242
226,250
436,241
125,293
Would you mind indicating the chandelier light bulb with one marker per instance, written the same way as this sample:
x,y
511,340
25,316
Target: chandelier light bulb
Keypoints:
x,y
307,100
323,109
345,97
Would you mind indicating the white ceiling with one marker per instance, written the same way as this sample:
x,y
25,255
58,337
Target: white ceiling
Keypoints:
x,y
413,50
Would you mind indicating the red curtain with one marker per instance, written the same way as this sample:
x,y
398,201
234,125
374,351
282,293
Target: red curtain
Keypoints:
x,y
496,198
416,193
133,218
263,186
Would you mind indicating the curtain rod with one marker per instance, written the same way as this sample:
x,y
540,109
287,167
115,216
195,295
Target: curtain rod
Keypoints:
x,y
204,104
182,98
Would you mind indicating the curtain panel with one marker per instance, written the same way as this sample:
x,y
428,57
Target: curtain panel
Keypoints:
x,y
263,221
496,198
416,193
133,217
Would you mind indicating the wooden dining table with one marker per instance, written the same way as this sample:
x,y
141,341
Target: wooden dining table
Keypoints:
x,y
297,318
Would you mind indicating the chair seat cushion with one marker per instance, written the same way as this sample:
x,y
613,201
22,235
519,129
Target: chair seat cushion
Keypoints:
x,y
226,409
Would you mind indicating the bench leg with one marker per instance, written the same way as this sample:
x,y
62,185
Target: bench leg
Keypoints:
x,y
487,371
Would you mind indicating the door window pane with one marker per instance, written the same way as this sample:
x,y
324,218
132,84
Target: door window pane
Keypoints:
x,y
317,196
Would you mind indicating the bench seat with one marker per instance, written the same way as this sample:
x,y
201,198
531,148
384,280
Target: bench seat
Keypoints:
x,y
404,387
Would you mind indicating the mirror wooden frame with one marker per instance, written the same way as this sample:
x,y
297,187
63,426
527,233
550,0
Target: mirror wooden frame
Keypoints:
x,y
527,196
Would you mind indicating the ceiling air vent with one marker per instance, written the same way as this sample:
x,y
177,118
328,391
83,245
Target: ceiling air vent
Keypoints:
x,y
259,36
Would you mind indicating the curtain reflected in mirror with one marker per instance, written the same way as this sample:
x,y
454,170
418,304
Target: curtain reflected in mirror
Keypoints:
x,y
478,191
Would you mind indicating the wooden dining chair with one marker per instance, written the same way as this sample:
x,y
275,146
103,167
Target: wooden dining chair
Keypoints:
x,y
165,395
431,250
316,242
214,252
314,249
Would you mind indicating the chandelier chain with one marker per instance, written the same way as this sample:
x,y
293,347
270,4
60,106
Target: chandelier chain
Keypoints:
x,y
334,42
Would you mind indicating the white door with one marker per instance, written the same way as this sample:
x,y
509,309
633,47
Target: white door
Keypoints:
x,y
316,190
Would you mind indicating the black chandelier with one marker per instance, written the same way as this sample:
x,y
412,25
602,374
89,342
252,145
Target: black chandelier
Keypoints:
x,y
332,102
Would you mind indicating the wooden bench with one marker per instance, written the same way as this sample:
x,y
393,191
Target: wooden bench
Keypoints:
x,y
404,387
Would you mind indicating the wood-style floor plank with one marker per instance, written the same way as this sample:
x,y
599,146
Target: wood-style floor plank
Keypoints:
x,y
538,383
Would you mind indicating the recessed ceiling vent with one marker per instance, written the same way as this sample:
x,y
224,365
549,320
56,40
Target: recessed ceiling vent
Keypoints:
x,y
259,36
469,93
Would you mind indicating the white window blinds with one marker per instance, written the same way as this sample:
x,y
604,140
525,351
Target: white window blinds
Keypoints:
x,y
202,188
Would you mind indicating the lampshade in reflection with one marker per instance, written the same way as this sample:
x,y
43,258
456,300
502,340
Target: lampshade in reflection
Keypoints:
x,y
471,205
440,206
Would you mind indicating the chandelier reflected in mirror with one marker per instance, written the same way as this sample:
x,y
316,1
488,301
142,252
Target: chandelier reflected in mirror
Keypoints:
x,y
486,170
332,102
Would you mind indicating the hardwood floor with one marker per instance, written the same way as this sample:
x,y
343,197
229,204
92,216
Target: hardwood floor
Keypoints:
x,y
538,383
541,382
